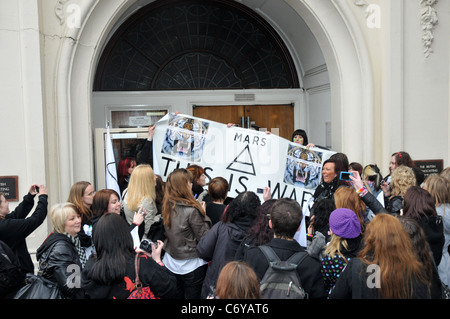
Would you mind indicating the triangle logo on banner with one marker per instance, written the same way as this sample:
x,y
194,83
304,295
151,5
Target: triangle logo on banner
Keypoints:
x,y
243,163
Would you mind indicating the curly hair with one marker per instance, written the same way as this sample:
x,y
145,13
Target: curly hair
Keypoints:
x,y
245,204
402,178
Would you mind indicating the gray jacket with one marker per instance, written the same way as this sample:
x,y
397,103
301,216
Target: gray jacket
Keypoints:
x,y
187,226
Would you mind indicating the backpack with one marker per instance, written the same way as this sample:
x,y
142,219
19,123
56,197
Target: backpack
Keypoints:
x,y
11,276
281,280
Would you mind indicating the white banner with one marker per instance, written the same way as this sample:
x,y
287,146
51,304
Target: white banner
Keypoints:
x,y
111,172
248,159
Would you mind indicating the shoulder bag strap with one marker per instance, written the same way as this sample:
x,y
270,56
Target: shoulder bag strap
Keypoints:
x,y
269,253
137,281
298,257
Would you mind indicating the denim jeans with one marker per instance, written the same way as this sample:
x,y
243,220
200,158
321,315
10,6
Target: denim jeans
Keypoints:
x,y
190,285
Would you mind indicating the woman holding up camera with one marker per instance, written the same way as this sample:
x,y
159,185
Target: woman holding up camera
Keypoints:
x,y
111,273
15,227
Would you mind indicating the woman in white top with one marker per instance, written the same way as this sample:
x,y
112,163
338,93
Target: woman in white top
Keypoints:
x,y
185,222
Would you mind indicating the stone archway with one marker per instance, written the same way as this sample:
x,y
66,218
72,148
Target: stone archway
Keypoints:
x,y
330,21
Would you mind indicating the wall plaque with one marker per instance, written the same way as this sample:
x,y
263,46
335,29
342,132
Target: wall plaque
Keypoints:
x,y
9,186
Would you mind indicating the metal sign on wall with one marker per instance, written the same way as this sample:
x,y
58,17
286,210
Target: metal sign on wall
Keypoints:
x,y
9,186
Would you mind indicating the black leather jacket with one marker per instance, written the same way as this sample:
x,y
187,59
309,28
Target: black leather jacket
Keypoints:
x,y
393,205
60,263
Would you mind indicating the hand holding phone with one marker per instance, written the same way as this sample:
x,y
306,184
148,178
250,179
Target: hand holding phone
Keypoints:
x,y
345,176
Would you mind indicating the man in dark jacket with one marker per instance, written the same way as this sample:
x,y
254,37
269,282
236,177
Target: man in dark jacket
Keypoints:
x,y
285,220
15,227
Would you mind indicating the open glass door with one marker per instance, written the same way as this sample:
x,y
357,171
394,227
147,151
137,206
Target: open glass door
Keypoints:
x,y
129,132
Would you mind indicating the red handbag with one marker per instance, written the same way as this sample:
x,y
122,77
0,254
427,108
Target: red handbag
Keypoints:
x,y
140,292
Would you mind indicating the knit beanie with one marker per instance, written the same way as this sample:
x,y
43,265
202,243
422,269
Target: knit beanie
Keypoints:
x,y
345,223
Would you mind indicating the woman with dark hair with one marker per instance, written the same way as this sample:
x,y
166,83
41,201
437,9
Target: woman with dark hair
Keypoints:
x,y
111,273
107,201
260,233
419,205
318,230
299,136
397,159
198,182
331,170
219,245
217,191
185,222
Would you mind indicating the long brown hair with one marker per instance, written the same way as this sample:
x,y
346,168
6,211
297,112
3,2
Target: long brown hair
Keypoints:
x,y
177,190
388,245
418,203
237,280
346,197
76,197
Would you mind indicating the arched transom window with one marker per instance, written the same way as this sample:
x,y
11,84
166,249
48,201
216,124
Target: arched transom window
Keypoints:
x,y
189,44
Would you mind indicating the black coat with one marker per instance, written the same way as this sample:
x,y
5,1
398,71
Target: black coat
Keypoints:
x,y
15,228
308,270
352,284
160,280
63,265
219,246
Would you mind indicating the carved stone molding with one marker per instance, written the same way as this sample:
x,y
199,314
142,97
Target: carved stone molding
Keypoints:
x,y
60,10
363,4
428,20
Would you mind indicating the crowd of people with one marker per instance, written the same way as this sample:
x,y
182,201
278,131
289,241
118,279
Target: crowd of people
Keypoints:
x,y
367,237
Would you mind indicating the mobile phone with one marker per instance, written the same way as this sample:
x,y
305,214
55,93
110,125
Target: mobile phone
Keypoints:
x,y
345,176
36,189
260,190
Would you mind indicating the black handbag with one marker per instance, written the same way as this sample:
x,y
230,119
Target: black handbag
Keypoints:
x,y
38,287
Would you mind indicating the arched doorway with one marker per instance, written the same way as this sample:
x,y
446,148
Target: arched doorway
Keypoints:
x,y
202,45
77,62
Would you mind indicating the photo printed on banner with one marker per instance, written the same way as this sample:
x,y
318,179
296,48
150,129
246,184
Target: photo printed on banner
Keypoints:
x,y
185,138
303,167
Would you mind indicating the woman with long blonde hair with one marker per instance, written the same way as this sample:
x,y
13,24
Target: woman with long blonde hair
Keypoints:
x,y
387,266
141,192
185,222
345,243
439,189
